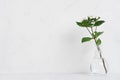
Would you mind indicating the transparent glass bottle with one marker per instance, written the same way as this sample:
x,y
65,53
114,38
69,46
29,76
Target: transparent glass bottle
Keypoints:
x,y
98,64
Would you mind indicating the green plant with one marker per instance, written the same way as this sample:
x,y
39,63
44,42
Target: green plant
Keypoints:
x,y
91,24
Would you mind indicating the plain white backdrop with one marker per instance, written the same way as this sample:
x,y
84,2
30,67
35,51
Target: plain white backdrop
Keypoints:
x,y
31,29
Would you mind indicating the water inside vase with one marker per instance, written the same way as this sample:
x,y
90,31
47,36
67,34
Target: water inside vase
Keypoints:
x,y
97,64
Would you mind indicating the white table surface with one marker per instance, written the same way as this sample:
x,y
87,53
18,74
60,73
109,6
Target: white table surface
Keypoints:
x,y
59,77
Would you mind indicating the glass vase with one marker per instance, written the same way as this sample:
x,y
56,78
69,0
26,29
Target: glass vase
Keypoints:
x,y
98,64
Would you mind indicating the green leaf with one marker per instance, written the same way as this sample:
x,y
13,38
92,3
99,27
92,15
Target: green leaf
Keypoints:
x,y
85,39
98,23
79,24
98,42
98,34
89,18
86,23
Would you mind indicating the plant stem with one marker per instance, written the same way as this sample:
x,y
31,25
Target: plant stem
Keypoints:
x,y
92,30
99,50
96,28
89,31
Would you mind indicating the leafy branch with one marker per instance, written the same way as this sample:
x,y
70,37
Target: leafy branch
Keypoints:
x,y
91,24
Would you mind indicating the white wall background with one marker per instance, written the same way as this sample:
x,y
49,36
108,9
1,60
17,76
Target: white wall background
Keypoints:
x,y
28,27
